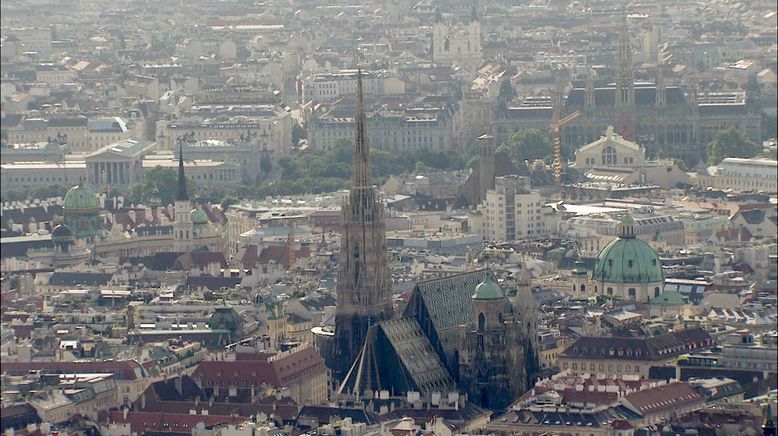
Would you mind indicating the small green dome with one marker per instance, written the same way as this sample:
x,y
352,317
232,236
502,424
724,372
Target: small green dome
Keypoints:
x,y
628,259
488,290
198,217
81,197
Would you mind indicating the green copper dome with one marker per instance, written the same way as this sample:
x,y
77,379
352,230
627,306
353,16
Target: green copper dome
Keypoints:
x,y
80,212
628,259
488,290
81,197
198,217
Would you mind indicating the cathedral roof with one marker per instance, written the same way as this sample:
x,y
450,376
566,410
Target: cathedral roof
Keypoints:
x,y
448,300
407,361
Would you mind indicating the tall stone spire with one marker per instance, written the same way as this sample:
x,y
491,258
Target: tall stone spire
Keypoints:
x,y
181,194
625,72
183,229
364,283
361,177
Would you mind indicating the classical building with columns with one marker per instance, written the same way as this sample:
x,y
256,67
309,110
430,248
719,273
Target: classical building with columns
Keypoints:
x,y
117,164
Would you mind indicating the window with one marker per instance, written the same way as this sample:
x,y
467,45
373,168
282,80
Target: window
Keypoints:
x,y
609,156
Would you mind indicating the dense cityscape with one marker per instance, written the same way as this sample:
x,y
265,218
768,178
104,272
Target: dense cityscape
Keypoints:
x,y
388,218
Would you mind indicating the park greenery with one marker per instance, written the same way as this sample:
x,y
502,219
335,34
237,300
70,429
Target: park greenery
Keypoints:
x,y
731,143
161,183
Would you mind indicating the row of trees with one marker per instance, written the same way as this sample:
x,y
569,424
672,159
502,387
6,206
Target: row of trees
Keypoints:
x,y
318,171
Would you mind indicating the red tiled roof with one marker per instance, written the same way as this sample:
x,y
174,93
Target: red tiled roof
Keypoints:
x,y
276,371
250,256
594,397
280,254
661,398
158,422
200,260
239,373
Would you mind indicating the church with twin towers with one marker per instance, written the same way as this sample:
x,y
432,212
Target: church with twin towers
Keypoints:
x,y
461,336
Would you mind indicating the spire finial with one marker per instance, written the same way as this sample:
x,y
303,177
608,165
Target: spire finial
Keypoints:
x,y
361,176
181,194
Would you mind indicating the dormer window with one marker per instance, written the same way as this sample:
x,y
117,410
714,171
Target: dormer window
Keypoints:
x,y
629,263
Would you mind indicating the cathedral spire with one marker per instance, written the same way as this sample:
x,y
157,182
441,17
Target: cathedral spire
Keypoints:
x,y
181,194
361,177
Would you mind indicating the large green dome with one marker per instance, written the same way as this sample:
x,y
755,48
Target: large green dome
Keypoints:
x,y
81,197
488,290
628,259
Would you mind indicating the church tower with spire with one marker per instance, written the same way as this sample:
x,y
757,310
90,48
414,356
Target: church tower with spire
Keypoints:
x,y
364,283
182,225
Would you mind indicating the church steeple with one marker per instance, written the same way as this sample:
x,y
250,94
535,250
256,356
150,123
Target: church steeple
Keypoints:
x,y
183,229
181,194
364,294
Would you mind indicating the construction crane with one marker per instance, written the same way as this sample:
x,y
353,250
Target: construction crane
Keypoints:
x,y
555,128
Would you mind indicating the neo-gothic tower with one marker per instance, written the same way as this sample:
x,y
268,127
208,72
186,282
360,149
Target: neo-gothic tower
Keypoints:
x,y
364,286
625,72
494,368
182,226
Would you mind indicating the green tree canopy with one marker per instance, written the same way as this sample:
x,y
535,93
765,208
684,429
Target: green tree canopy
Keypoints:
x,y
731,143
529,144
164,181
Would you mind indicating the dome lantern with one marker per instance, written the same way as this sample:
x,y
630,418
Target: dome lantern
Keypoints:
x,y
627,227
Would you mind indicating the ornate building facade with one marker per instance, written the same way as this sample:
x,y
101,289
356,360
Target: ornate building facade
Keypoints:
x,y
498,336
456,42
667,119
364,283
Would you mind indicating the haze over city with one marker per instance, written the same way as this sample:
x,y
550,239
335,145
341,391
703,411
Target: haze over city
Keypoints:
x,y
388,218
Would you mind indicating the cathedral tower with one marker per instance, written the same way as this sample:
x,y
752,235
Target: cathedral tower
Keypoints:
x,y
493,366
364,284
182,226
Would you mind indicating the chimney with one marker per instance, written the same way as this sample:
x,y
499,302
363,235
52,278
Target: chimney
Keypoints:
x,y
143,401
125,411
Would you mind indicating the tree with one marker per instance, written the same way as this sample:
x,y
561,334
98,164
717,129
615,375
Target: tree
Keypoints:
x,y
164,181
42,192
529,144
298,133
731,143
227,201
